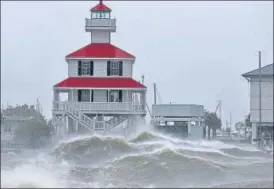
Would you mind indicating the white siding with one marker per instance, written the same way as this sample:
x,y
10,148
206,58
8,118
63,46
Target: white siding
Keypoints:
x,y
72,68
266,86
127,68
100,68
73,95
99,96
267,116
177,110
100,37
70,97
266,100
266,103
127,96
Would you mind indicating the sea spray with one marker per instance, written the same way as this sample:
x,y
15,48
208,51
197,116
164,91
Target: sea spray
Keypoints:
x,y
144,159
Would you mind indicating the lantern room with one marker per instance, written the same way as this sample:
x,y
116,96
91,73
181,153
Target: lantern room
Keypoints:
x,y
100,19
100,11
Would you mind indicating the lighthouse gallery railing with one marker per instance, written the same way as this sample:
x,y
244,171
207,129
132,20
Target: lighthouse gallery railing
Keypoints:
x,y
100,22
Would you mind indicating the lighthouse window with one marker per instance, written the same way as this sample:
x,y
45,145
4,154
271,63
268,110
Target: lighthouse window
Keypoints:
x,y
100,15
85,68
85,95
105,15
115,68
115,96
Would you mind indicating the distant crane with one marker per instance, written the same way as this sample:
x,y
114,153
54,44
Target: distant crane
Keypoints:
x,y
38,106
219,107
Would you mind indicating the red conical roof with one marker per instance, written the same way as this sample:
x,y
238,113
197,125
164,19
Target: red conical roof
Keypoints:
x,y
100,50
99,82
100,7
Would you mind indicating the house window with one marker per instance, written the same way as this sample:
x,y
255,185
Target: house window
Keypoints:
x,y
85,95
115,96
115,68
85,68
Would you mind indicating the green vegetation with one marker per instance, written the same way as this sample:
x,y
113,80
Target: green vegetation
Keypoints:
x,y
213,122
2,117
35,132
24,111
247,121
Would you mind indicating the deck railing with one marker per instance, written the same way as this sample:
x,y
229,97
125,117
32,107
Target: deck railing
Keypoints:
x,y
99,106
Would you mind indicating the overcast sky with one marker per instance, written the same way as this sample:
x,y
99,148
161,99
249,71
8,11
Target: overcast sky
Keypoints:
x,y
194,51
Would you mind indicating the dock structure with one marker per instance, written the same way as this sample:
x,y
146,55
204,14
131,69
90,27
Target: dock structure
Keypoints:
x,y
101,93
182,120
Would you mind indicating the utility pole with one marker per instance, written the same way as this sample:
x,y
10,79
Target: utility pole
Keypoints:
x,y
220,110
154,87
230,120
260,101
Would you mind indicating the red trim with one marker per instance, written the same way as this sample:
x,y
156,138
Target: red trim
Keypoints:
x,y
100,50
100,7
99,82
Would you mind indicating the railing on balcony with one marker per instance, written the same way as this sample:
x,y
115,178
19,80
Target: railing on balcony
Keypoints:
x,y
99,106
101,22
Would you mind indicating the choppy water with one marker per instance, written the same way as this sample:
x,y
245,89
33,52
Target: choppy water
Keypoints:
x,y
146,160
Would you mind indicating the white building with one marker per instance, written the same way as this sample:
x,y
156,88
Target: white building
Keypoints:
x,y
182,120
101,91
266,124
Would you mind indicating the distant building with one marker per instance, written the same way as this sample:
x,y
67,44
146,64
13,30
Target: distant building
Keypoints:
x,y
182,120
239,126
8,127
266,125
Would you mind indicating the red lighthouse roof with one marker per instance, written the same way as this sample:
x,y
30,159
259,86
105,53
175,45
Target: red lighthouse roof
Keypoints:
x,y
99,82
100,50
100,7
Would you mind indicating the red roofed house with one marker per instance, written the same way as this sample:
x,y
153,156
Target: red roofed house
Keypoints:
x,y
101,91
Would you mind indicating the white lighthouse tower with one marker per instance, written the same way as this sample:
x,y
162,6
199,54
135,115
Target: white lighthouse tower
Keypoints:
x,y
101,91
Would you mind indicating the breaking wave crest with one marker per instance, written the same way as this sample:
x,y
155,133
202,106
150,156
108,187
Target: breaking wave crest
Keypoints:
x,y
144,160
145,136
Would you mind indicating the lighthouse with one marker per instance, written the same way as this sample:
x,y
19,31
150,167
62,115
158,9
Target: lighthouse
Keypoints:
x,y
101,93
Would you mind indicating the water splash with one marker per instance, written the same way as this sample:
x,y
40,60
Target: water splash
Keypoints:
x,y
146,158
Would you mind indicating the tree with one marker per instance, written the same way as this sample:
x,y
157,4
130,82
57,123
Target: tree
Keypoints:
x,y
33,133
2,116
50,124
213,122
247,121
24,111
